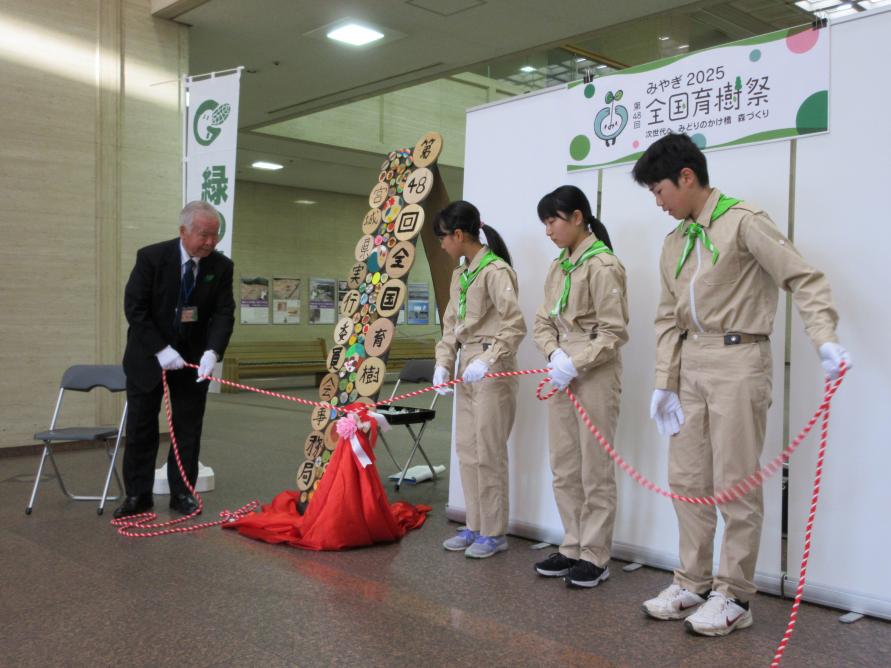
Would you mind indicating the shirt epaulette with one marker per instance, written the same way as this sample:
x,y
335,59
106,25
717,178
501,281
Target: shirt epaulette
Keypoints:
x,y
748,206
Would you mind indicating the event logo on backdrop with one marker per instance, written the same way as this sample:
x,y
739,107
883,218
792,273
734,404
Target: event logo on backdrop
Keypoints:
x,y
211,140
773,86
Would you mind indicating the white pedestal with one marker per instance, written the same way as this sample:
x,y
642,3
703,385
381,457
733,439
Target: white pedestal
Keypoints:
x,y
205,481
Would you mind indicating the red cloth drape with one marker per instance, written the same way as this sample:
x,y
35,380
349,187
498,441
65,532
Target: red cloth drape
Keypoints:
x,y
349,509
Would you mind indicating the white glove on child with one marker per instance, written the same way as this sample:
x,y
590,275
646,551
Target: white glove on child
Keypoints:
x,y
831,357
170,360
475,371
205,366
665,409
561,369
440,376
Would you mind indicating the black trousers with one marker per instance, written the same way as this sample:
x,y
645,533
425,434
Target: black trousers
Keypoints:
x,y
187,402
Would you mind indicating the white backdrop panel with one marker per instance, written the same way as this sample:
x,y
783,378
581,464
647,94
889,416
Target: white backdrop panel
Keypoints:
x,y
646,528
842,228
513,157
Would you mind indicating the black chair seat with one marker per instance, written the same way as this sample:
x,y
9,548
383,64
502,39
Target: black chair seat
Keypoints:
x,y
77,434
406,414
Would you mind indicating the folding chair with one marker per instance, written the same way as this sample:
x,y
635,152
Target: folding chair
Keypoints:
x,y
83,378
415,371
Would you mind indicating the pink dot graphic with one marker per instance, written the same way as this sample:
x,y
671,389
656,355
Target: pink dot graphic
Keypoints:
x,y
635,144
803,41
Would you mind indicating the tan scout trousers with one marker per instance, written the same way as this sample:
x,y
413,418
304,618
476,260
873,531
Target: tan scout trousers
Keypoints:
x,y
584,475
484,417
725,394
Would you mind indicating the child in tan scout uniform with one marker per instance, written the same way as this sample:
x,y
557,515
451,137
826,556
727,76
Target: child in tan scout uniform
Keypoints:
x,y
720,272
483,319
580,327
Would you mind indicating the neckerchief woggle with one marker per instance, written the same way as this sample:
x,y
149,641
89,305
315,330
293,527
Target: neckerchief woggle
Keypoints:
x,y
467,277
695,230
568,267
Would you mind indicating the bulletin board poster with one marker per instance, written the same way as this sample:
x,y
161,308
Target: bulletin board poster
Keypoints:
x,y
285,301
322,301
254,300
764,88
418,304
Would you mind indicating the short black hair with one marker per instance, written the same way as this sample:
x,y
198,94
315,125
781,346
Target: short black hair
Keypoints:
x,y
665,158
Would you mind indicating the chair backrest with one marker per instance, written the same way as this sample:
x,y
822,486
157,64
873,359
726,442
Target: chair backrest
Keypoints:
x,y
84,377
418,371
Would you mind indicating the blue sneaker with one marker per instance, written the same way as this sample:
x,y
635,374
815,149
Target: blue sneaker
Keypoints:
x,y
461,541
486,546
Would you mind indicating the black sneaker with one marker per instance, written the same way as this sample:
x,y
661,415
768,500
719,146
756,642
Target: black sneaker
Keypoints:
x,y
586,574
555,566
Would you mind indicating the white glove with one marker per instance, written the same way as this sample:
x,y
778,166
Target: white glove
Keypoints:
x,y
440,376
475,371
831,357
382,423
170,360
665,409
561,369
205,366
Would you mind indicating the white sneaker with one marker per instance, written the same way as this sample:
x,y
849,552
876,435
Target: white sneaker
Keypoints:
x,y
675,602
719,616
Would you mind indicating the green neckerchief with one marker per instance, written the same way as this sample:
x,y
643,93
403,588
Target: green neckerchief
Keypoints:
x,y
568,266
468,277
695,230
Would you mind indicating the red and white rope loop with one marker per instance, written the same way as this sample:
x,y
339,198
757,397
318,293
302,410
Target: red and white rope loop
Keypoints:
x,y
140,526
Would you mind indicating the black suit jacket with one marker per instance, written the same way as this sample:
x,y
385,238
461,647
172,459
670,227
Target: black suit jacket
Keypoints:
x,y
150,304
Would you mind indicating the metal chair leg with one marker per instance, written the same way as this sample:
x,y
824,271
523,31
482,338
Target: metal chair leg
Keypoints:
x,y
66,492
415,447
421,449
37,481
112,455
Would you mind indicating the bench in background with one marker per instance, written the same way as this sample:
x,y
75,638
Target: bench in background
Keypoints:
x,y
270,359
405,350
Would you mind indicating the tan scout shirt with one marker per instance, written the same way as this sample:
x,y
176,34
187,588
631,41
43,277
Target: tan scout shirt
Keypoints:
x,y
493,314
739,293
593,326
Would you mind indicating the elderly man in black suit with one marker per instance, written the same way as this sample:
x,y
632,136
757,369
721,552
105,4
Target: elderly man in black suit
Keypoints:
x,y
180,308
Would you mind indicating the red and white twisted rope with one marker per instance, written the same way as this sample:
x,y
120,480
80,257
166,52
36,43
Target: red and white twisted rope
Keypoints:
x,y
808,529
140,526
733,493
128,526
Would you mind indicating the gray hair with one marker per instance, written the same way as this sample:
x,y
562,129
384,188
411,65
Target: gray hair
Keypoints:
x,y
197,206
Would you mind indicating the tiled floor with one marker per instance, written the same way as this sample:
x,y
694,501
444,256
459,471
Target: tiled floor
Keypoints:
x,y
75,593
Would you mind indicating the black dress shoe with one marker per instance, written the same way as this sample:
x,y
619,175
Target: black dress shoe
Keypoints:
x,y
133,505
185,504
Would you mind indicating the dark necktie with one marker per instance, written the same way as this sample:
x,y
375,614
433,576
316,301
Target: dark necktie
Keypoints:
x,y
188,280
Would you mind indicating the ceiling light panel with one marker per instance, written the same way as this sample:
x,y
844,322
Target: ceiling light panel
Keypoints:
x,y
355,34
270,166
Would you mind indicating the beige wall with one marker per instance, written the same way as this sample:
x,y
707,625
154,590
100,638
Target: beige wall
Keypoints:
x,y
274,236
89,171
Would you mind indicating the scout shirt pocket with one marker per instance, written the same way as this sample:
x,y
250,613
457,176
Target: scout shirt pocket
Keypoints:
x,y
726,270
579,302
476,299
